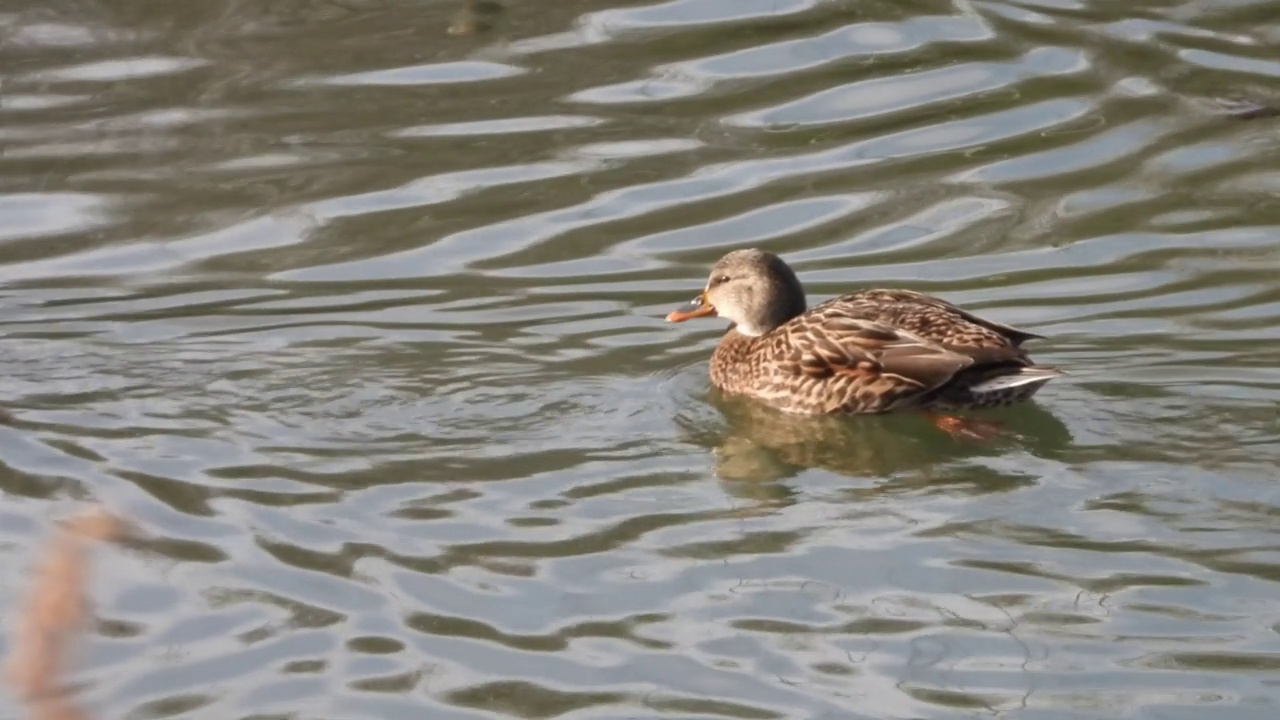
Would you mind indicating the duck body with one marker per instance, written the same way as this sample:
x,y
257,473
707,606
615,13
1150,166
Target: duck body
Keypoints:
x,y
879,351
875,351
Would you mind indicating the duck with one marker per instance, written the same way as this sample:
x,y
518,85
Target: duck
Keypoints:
x,y
870,352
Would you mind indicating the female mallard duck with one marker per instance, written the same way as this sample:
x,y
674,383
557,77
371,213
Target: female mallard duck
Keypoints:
x,y
873,351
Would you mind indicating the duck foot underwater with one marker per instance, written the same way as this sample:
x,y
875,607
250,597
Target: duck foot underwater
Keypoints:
x,y
968,429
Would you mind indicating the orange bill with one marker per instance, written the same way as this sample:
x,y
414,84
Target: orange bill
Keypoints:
x,y
698,308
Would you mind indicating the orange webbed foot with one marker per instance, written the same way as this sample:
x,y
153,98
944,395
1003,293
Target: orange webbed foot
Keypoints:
x,y
968,429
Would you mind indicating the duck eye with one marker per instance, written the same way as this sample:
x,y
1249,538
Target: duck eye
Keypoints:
x,y
720,280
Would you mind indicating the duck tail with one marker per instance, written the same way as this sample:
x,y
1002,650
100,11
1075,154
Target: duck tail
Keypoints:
x,y
1029,375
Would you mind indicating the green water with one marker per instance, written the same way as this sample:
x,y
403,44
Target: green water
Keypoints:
x,y
361,321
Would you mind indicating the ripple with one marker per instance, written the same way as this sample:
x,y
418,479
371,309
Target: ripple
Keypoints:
x,y
1072,158
33,215
636,148
115,70
858,40
19,102
501,127
50,34
687,13
757,226
876,97
697,77
442,188
428,74
1222,61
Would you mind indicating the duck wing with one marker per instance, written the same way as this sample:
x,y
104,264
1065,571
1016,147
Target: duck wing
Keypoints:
x,y
859,365
932,318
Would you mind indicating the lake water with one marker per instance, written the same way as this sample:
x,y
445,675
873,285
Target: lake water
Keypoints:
x,y
356,309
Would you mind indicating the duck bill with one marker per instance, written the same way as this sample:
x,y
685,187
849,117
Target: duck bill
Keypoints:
x,y
698,308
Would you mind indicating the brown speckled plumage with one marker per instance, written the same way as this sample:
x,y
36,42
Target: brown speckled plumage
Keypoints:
x,y
869,352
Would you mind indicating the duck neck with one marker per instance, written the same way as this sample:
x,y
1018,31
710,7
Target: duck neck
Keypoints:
x,y
790,307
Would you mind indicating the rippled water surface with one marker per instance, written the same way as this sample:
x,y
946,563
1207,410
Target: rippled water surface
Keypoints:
x,y
356,308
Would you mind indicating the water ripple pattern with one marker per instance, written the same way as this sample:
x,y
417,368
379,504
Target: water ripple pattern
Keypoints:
x,y
356,310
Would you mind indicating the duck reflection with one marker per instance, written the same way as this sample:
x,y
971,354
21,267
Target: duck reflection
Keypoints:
x,y
763,444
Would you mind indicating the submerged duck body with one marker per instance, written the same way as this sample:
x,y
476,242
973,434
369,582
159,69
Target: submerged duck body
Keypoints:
x,y
874,351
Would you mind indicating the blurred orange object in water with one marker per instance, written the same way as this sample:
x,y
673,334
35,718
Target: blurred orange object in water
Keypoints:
x,y
55,611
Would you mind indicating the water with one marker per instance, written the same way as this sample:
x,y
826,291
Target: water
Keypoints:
x,y
357,312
